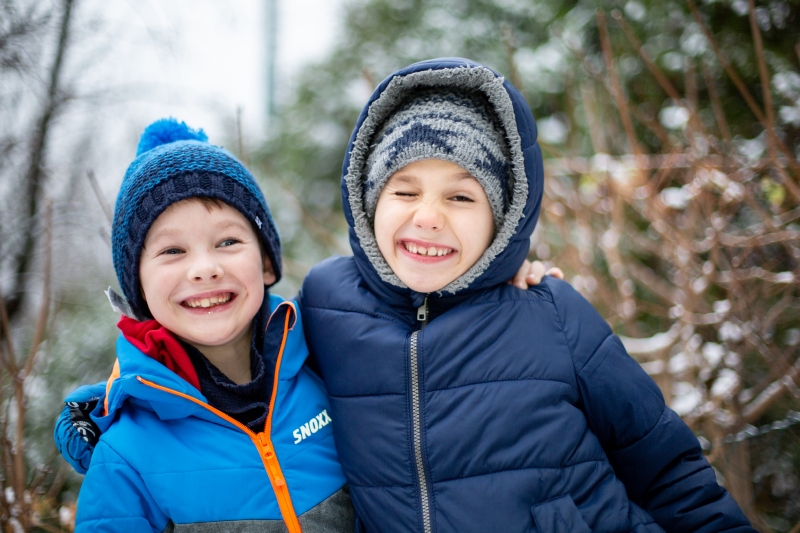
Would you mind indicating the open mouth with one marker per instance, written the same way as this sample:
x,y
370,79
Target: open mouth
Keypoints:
x,y
429,251
208,302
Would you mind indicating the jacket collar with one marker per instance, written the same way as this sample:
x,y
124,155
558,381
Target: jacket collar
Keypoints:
x,y
137,370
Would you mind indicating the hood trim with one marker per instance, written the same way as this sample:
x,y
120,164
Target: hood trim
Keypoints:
x,y
478,79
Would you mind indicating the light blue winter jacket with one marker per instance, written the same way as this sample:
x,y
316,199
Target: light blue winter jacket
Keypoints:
x,y
167,461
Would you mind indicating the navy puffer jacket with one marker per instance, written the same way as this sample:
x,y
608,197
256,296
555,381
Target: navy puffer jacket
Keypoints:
x,y
511,411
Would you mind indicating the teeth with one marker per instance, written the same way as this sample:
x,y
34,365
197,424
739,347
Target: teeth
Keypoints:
x,y
431,251
208,302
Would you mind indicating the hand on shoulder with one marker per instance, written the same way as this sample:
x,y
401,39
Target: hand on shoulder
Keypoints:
x,y
530,274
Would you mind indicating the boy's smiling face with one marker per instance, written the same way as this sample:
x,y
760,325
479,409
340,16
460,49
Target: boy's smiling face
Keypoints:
x,y
203,274
433,221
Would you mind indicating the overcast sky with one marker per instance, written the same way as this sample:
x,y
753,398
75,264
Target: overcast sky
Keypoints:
x,y
200,60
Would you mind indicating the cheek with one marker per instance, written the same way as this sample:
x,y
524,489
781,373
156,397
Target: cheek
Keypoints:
x,y
145,282
154,286
383,228
256,275
480,233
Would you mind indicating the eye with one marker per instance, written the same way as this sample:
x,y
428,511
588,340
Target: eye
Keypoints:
x,y
405,194
461,198
171,251
228,242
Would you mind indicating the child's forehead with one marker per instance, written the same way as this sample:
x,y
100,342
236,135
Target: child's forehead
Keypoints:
x,y
208,202
179,218
425,170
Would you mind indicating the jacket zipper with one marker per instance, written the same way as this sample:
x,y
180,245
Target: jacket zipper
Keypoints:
x,y
422,317
262,440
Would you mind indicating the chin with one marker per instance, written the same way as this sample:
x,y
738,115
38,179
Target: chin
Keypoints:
x,y
423,286
204,341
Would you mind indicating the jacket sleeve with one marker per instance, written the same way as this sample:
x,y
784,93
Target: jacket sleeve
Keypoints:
x,y
653,452
114,498
75,433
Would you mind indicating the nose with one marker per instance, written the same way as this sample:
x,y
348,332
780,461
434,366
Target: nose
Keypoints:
x,y
429,216
204,267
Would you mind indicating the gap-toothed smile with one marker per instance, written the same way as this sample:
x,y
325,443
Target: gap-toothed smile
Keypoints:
x,y
207,302
429,251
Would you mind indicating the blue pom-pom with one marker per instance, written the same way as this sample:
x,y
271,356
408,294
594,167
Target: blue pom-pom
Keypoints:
x,y
165,131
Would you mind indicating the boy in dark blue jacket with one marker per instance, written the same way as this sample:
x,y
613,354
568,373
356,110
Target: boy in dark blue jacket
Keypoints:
x,y
459,403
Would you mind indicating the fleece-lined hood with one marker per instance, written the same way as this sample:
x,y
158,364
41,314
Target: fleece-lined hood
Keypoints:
x,y
511,243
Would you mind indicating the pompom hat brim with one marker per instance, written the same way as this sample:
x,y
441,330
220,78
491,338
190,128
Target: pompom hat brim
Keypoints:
x,y
174,163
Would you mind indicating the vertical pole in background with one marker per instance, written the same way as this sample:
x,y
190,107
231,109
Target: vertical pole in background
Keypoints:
x,y
272,46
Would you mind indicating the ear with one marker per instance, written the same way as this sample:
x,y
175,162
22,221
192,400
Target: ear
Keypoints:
x,y
269,272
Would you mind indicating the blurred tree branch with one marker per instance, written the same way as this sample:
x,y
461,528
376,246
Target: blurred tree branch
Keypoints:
x,y
18,511
34,176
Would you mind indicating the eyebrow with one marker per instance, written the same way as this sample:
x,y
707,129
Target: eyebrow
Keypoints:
x,y
412,179
160,234
463,176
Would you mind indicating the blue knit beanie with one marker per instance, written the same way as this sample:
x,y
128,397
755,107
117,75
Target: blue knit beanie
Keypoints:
x,y
452,125
174,162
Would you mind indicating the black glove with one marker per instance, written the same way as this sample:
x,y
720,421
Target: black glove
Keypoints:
x,y
82,422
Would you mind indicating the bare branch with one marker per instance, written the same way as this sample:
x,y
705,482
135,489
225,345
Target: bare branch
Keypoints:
x,y
511,48
747,96
44,310
766,94
716,104
763,401
34,175
98,193
10,358
616,87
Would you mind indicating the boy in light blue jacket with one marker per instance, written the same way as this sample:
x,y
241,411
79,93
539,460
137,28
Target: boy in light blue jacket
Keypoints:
x,y
211,420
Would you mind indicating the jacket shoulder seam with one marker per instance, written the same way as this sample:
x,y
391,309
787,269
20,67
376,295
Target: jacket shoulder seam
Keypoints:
x,y
564,333
366,395
569,348
493,472
646,433
489,382
120,461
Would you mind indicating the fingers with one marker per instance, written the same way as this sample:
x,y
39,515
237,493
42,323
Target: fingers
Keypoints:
x,y
535,273
519,280
555,272
530,274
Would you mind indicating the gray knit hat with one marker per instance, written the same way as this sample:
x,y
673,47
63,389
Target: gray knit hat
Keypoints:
x,y
454,126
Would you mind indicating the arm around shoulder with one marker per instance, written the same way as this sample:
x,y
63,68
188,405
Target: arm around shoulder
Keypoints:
x,y
653,452
75,433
